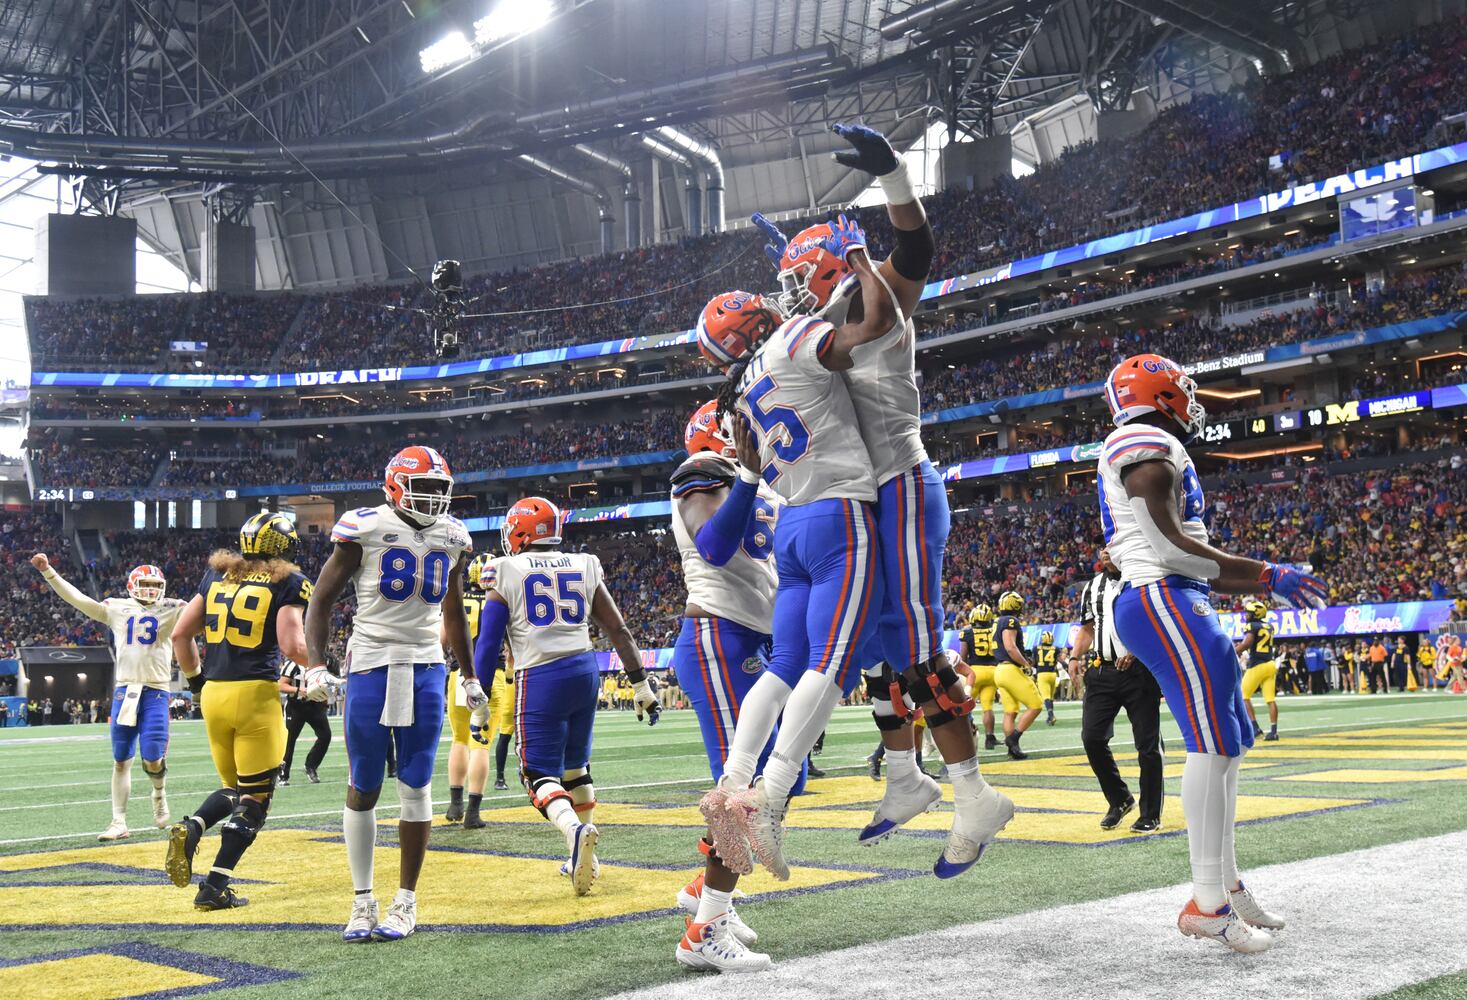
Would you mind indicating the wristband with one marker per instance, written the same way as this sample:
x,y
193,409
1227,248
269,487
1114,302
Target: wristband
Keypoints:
x,y
897,185
749,476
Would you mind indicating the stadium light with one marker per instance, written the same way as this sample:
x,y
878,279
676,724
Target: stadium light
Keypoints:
x,y
511,19
449,50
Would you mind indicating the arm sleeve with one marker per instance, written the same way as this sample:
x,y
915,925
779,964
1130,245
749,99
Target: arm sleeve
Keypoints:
x,y
721,534
93,609
492,624
912,255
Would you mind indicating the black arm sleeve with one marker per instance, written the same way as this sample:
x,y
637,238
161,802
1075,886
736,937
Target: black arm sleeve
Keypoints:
x,y
912,256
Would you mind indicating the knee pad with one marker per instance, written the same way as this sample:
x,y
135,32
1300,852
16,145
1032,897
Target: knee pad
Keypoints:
x,y
261,783
582,790
929,683
247,819
545,789
162,768
887,691
417,803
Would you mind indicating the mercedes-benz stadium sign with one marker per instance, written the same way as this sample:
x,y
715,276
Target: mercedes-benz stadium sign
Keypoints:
x,y
66,656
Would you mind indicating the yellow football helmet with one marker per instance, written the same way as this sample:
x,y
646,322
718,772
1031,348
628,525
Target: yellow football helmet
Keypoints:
x,y
267,535
1255,609
981,614
1010,602
1046,639
478,566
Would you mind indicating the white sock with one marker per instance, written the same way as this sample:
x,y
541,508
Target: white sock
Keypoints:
x,y
406,896
806,715
1204,802
901,767
757,716
713,903
359,830
967,779
121,788
563,814
1229,854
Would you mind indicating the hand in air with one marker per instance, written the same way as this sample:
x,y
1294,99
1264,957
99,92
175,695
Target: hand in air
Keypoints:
x,y
872,153
1302,590
40,562
745,444
846,235
774,249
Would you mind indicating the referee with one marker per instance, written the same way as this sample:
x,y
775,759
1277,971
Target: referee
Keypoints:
x,y
300,712
1114,681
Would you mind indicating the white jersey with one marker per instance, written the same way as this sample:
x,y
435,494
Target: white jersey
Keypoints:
x,y
1133,554
401,583
742,589
883,386
142,639
809,440
549,594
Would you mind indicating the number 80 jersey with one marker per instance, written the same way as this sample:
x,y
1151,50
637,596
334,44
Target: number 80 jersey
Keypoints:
x,y
549,594
401,583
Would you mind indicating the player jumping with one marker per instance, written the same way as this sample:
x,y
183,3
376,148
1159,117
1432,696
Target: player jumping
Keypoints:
x,y
544,599
142,631
406,560
1151,511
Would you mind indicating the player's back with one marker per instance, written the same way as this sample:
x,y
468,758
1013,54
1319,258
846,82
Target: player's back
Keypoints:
x,y
742,589
240,604
1134,555
549,594
1004,624
983,645
400,585
1262,649
809,438
141,650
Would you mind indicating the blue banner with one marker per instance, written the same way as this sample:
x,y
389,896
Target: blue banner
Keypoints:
x,y
1448,396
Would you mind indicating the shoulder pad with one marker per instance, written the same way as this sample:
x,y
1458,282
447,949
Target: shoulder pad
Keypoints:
x,y
703,471
1130,445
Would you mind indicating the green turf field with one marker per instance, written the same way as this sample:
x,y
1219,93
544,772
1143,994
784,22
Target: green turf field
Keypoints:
x,y
496,921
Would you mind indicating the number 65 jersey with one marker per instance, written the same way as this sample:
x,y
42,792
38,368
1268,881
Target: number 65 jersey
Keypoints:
x,y
400,585
549,594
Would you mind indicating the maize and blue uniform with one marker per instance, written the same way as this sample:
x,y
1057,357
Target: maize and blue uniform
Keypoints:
x,y
143,654
396,677
1164,617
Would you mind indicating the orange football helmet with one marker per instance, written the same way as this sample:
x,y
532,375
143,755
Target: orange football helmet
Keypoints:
x,y
1149,383
145,584
531,521
809,273
418,483
706,432
732,324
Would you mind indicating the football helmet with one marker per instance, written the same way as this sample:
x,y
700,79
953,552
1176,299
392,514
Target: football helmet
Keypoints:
x,y
1010,602
145,584
531,521
1149,383
267,535
419,484
732,324
479,566
981,614
706,432
1255,609
808,272
1046,639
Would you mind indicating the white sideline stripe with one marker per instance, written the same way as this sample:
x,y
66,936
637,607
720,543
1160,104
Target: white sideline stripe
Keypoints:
x,y
1349,937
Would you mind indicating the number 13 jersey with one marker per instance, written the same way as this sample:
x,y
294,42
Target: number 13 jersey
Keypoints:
x,y
400,585
549,594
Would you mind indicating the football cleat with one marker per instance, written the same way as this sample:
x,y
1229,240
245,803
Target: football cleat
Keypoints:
x,y
1012,742
1245,906
179,862
976,824
116,830
899,805
160,809
283,781
873,764
363,919
401,920
500,785
762,824
583,858
723,827
454,813
691,894
473,821
312,776
1272,736
1224,927
990,742
211,898
565,868
1116,813
714,946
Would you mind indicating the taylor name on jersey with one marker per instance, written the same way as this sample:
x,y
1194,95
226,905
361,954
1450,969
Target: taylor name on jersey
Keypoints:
x,y
549,596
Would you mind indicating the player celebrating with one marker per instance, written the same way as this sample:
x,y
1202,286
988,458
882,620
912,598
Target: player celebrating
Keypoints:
x,y
1046,678
405,559
248,607
1010,674
723,518
545,599
1262,668
142,630
1151,508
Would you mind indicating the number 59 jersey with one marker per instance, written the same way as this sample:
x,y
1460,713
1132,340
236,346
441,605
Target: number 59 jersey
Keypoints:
x,y
401,583
549,595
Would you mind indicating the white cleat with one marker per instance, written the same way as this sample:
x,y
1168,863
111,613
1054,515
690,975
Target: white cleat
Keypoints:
x,y
401,920
565,868
899,805
363,919
723,827
583,864
762,823
160,809
690,895
1224,927
976,824
1245,906
715,946
116,830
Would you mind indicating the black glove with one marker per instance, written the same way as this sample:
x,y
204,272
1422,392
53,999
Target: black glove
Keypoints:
x,y
872,153
196,683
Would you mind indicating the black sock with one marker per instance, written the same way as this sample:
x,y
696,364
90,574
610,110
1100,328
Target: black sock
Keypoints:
x,y
501,755
456,795
216,808
474,801
1049,705
235,837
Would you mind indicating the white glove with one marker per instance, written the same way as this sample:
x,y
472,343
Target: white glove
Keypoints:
x,y
474,696
479,724
644,700
318,684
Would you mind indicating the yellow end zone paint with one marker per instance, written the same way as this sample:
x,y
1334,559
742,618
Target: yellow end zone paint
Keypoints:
x,y
1383,776
95,977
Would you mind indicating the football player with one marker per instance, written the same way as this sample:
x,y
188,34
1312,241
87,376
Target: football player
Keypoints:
x,y
405,559
1011,673
1046,677
1261,666
978,651
1151,508
249,609
468,755
826,271
544,600
142,626
723,518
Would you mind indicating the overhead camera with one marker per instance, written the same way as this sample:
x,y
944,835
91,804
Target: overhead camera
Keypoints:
x,y
448,307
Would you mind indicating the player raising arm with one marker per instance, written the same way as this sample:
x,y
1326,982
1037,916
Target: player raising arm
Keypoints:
x,y
142,632
1151,511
